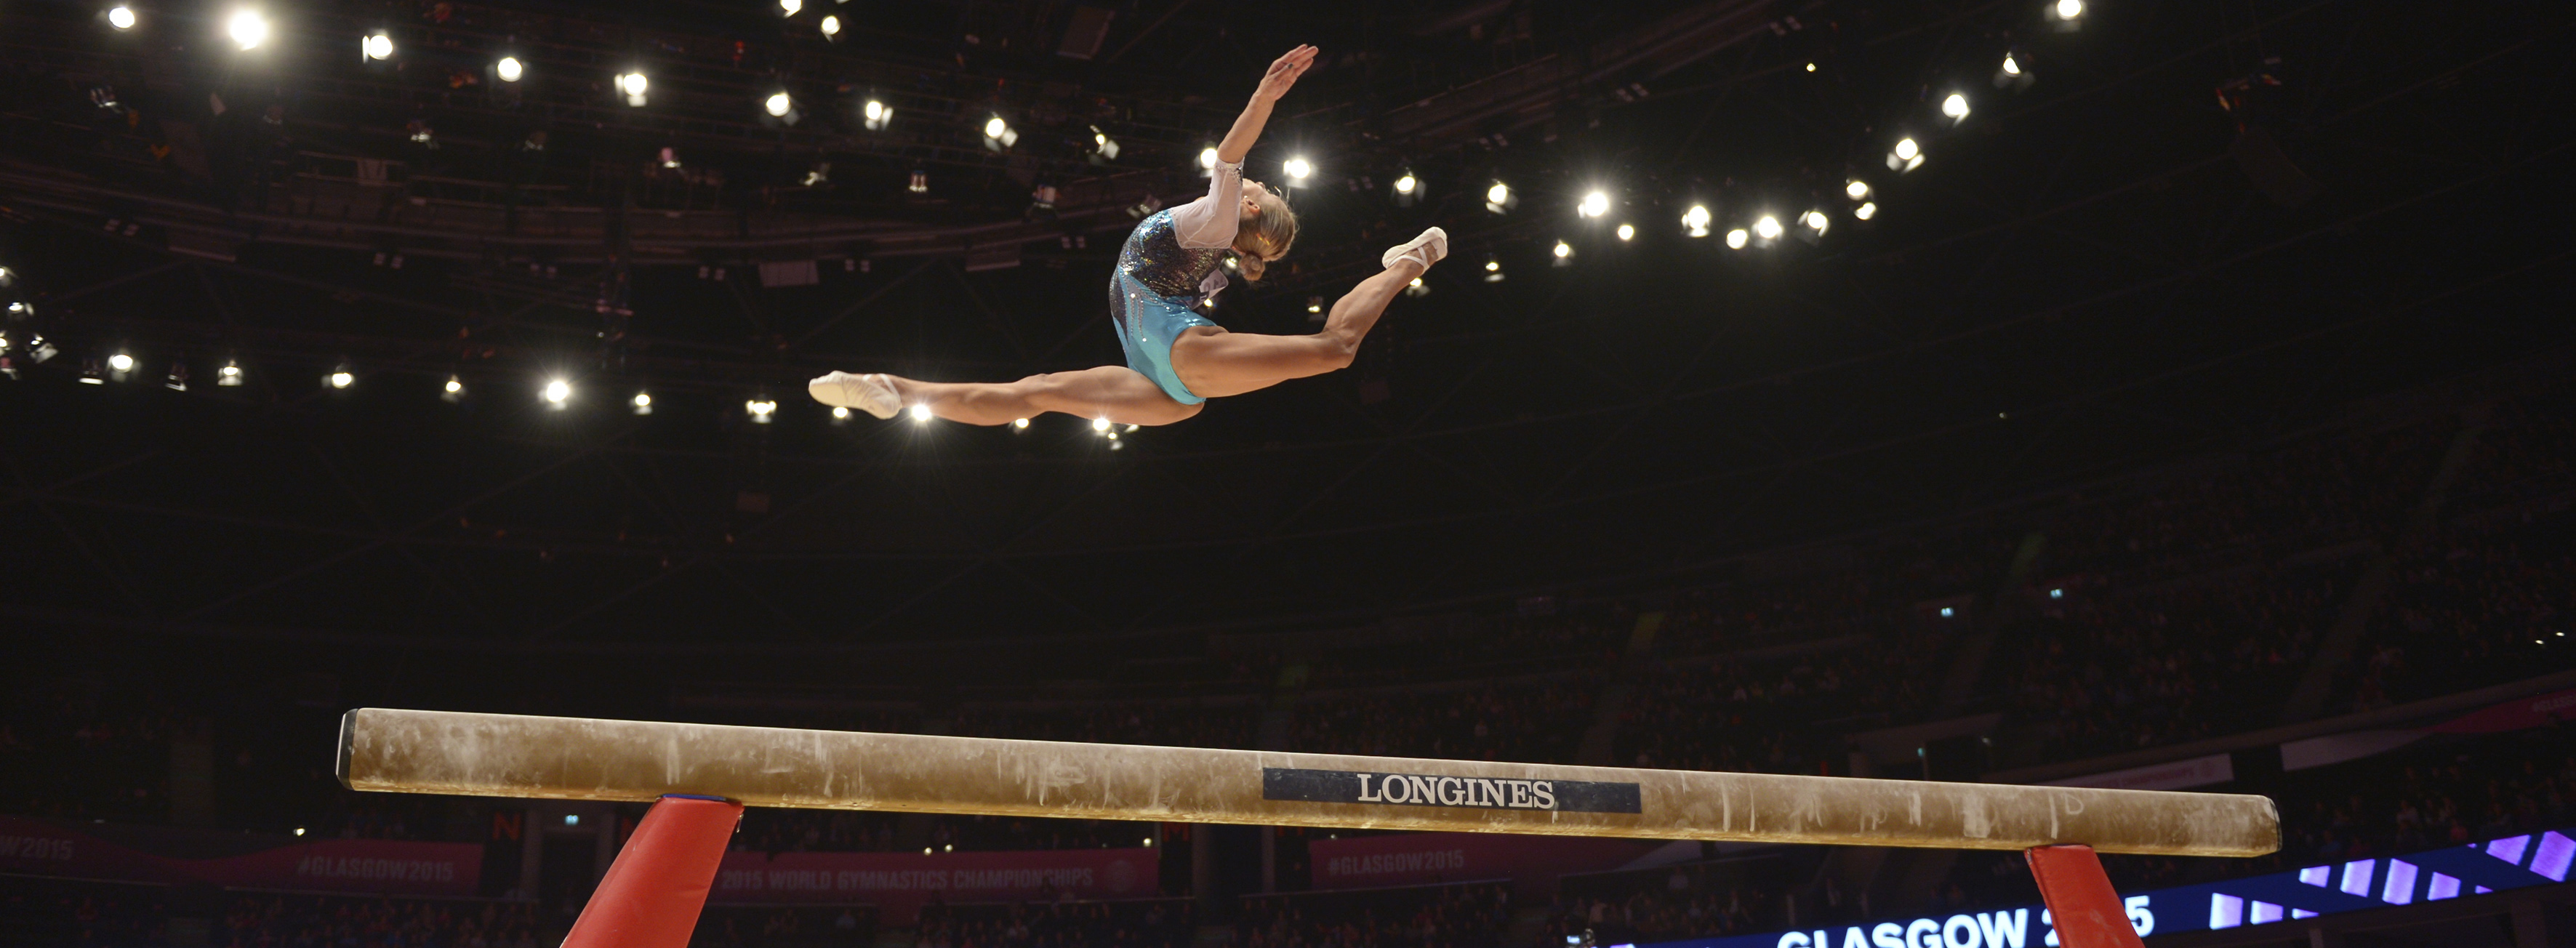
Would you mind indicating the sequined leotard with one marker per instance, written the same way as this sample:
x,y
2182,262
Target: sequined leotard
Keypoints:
x,y
1165,270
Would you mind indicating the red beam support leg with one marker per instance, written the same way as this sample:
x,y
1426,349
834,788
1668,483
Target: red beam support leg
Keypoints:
x,y
653,892
2081,903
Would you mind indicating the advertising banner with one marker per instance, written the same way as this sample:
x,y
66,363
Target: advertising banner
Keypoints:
x,y
369,866
2495,865
900,883
1367,862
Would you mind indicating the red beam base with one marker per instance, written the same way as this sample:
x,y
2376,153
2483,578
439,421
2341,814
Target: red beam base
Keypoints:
x,y
2081,903
653,893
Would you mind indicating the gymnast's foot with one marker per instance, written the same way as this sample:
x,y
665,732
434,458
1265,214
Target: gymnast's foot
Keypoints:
x,y
873,393
1426,250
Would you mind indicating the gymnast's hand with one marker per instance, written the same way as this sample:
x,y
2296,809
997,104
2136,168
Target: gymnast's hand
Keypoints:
x,y
1284,73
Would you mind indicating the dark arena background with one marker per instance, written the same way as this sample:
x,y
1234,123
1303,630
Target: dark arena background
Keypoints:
x,y
2115,393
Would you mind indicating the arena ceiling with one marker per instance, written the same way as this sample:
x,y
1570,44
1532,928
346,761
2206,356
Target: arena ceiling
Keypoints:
x,y
2095,269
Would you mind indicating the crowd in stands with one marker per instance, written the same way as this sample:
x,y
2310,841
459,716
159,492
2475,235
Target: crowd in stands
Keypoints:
x,y
1531,721
1157,923
1453,916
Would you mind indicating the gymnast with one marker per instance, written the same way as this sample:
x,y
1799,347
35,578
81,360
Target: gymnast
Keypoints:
x,y
1176,358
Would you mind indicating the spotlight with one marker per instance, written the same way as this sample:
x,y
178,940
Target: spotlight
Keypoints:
x,y
1019,424
1100,424
920,411
1627,231
920,183
120,363
2012,67
778,105
341,378
1956,106
230,376
994,127
2068,9
1562,250
877,115
1298,169
90,374
1493,270
633,84
642,402
1104,149
558,392
999,134
8,276
1866,210
831,27
1314,305
1768,228
1417,288
509,69
177,380
840,414
1500,198
760,409
1594,204
122,17
247,28
1407,184
453,391
790,7
1857,189
1695,220
1907,156
1207,158
1815,221
377,46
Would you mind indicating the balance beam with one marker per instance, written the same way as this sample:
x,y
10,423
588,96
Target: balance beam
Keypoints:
x,y
504,755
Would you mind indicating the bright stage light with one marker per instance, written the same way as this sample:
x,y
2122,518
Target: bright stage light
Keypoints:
x,y
1908,150
342,379
1498,194
1627,231
1020,424
1737,238
122,17
994,127
1406,184
455,386
2012,67
2069,9
1491,266
1298,169
247,28
558,392
920,412
1815,221
778,104
790,7
1594,204
1956,106
1562,250
760,409
509,69
120,362
633,84
1866,210
1207,157
1858,189
229,376
831,26
377,46
1100,424
840,413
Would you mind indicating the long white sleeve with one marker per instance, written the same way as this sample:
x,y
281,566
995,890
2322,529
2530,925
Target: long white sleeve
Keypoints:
x,y
1210,221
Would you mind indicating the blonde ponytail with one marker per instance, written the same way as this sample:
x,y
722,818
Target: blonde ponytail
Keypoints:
x,y
1268,234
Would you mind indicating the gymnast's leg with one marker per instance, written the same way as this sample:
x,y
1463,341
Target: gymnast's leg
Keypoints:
x,y
1216,363
1115,392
